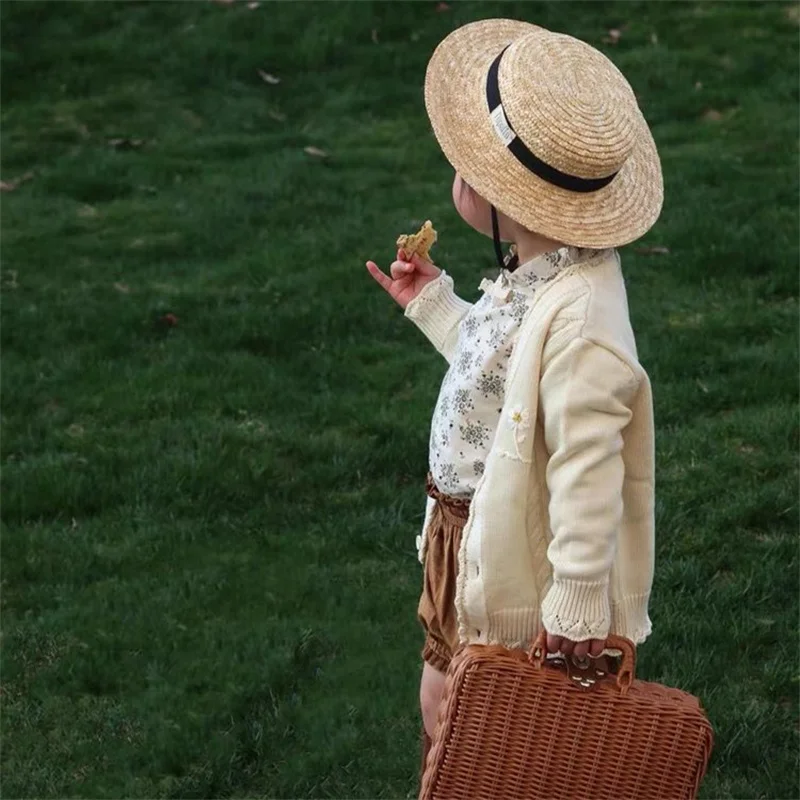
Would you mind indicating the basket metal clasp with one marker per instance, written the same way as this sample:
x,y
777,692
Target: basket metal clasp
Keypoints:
x,y
584,672
587,672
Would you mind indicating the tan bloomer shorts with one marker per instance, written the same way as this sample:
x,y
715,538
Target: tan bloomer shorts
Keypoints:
x,y
437,610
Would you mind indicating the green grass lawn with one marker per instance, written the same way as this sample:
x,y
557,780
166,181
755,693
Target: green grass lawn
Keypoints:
x,y
208,568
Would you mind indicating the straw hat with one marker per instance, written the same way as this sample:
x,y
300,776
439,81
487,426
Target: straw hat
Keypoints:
x,y
546,129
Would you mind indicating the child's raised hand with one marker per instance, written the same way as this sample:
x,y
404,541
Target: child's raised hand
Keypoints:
x,y
408,277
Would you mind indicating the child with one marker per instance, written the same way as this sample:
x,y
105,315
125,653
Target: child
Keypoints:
x,y
540,507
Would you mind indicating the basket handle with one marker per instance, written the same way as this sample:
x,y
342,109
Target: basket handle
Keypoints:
x,y
626,672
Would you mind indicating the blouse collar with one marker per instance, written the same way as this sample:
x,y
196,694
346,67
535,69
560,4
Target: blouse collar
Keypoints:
x,y
543,268
538,271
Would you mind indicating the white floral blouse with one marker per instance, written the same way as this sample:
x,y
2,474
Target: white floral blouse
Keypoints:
x,y
473,391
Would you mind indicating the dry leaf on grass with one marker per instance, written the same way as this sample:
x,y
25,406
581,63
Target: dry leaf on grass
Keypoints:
x,y
315,151
443,7
267,78
10,186
122,287
686,320
123,143
657,250
614,35
253,6
714,115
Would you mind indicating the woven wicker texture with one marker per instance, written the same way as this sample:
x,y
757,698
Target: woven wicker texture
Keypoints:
x,y
571,107
517,724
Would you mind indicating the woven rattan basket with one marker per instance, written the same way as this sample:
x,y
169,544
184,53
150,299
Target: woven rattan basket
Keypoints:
x,y
523,725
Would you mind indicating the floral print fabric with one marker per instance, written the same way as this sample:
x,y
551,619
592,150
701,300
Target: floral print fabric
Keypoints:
x,y
471,398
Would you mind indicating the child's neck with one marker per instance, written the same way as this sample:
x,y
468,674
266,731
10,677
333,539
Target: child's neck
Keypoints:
x,y
530,245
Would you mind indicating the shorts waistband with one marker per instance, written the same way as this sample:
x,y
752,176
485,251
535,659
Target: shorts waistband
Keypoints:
x,y
458,506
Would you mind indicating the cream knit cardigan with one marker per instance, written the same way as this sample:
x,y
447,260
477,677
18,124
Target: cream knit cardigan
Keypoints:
x,y
560,530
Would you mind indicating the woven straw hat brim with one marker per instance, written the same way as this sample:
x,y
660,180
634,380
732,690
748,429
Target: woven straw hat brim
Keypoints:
x,y
455,99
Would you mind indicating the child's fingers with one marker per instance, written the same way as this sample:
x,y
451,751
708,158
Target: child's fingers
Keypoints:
x,y
580,650
554,643
401,269
384,280
425,267
596,647
567,647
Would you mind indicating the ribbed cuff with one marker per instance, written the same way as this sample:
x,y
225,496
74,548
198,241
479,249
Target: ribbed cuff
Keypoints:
x,y
513,627
629,618
577,610
436,309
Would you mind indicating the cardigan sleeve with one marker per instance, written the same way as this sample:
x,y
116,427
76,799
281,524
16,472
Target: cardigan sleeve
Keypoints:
x,y
585,395
437,311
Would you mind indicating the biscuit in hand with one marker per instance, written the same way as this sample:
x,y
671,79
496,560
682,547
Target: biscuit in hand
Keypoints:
x,y
418,243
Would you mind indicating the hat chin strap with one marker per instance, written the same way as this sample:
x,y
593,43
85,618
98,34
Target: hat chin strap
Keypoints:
x,y
509,262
